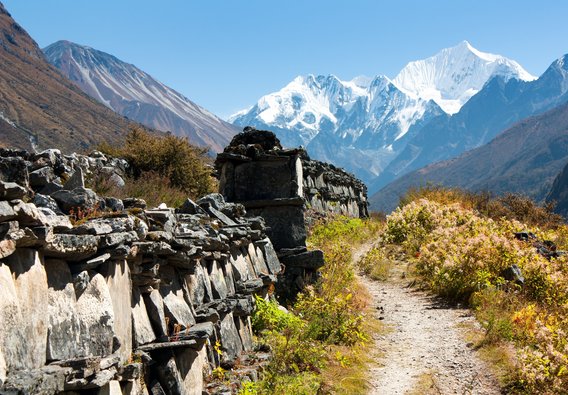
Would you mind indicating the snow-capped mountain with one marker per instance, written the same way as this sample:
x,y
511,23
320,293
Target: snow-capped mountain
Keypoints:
x,y
454,75
135,94
363,124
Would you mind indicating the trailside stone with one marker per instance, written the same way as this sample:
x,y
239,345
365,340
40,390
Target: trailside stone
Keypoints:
x,y
71,247
29,215
175,305
244,328
170,377
270,256
199,286
46,201
41,177
239,265
117,276
27,316
191,364
231,344
141,326
96,317
63,332
155,309
7,248
6,211
190,207
218,285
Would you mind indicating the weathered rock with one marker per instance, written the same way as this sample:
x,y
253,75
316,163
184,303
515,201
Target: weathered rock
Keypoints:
x,y
96,317
141,325
218,284
175,305
29,215
7,248
117,276
111,388
90,264
190,364
77,180
6,212
41,177
115,239
78,198
45,381
114,204
71,247
271,258
155,309
170,377
63,332
23,310
244,328
309,259
11,191
199,286
190,207
231,344
134,203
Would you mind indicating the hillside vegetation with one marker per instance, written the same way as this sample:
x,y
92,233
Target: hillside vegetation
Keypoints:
x,y
320,344
163,169
461,246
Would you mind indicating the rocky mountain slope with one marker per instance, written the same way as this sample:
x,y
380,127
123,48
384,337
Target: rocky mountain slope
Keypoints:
x,y
364,125
525,158
38,104
133,93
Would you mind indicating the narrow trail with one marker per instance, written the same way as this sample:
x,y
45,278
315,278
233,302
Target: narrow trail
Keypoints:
x,y
423,351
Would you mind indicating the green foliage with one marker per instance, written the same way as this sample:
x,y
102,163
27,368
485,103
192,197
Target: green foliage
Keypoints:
x,y
328,315
186,167
376,264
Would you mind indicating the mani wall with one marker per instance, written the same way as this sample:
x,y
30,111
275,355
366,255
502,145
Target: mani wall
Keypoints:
x,y
133,301
107,296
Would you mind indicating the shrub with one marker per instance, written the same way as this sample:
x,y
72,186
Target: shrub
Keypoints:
x,y
185,166
460,252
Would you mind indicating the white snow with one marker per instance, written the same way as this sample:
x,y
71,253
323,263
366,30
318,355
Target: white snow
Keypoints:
x,y
454,75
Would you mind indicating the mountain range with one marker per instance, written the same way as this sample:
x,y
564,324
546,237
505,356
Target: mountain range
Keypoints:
x,y
39,107
135,94
371,126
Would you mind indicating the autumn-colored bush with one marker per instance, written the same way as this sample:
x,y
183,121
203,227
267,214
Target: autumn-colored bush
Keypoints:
x,y
460,249
182,165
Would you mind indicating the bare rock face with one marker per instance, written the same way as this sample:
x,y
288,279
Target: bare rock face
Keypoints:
x,y
141,325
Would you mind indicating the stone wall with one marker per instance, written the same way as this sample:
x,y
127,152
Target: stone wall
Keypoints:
x,y
328,189
279,185
125,300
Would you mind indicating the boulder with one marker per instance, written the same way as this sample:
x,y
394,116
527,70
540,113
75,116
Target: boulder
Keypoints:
x,y
11,191
176,307
231,344
155,309
79,198
77,180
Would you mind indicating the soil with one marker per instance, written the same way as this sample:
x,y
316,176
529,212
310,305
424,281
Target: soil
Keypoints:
x,y
423,350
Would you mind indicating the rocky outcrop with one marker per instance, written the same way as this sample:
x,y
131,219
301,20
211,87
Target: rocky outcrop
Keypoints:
x,y
279,185
115,301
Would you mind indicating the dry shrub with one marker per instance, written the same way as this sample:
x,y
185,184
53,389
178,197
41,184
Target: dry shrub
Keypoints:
x,y
181,165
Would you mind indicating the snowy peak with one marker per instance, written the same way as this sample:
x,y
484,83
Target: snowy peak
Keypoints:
x,y
137,95
454,75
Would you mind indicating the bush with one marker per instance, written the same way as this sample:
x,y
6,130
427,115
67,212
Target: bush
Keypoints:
x,y
460,252
184,166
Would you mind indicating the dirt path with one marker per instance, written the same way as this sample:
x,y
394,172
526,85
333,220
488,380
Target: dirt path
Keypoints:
x,y
424,351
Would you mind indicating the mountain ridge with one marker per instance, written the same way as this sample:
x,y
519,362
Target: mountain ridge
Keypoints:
x,y
131,92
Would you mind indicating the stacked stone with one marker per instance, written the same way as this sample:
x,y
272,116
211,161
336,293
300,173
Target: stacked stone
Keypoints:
x,y
255,171
329,189
135,301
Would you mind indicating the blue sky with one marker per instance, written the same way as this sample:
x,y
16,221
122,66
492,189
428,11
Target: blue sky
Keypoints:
x,y
224,55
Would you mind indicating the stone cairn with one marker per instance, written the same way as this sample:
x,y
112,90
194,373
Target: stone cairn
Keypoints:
x,y
124,299
278,184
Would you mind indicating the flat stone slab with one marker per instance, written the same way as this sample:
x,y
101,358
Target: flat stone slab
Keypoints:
x,y
166,345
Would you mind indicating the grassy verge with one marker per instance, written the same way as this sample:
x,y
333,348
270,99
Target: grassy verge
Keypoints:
x,y
461,246
321,344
